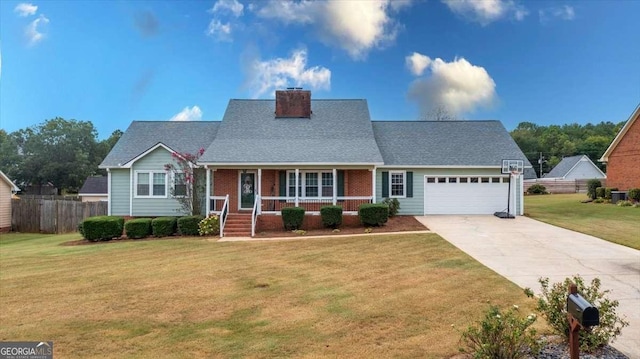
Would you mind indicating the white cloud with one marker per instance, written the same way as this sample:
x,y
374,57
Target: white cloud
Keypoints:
x,y
355,26
32,31
456,86
231,6
25,9
188,114
565,12
417,63
219,31
266,76
486,11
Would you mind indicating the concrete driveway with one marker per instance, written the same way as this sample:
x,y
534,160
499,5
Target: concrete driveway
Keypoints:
x,y
523,249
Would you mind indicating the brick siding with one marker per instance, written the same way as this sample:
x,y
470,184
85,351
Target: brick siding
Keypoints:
x,y
270,222
623,167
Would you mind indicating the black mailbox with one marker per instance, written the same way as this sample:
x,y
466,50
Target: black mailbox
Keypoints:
x,y
585,313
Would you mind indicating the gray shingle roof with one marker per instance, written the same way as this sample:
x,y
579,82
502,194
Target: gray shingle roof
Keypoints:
x,y
563,168
180,136
94,185
339,131
445,143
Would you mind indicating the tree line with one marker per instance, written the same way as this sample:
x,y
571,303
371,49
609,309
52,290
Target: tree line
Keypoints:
x,y
554,142
58,151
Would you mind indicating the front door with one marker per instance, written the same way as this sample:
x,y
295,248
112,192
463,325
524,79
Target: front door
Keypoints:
x,y
247,190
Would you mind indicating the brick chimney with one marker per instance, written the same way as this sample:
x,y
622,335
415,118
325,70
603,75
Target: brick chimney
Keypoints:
x,y
293,103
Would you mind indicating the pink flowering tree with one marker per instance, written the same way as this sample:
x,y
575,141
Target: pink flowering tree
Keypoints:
x,y
188,181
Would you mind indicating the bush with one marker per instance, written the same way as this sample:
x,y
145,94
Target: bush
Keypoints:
x,y
102,228
373,214
600,192
209,226
592,184
502,335
624,204
553,306
138,228
394,205
81,229
537,188
164,226
331,216
598,200
607,192
292,218
634,194
188,225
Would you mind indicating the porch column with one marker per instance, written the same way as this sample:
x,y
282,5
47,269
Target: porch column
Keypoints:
x,y
208,192
260,190
297,184
335,186
373,185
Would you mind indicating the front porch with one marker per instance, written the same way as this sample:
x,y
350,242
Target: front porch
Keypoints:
x,y
265,191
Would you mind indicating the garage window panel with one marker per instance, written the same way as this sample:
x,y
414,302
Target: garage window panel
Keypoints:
x,y
464,179
495,179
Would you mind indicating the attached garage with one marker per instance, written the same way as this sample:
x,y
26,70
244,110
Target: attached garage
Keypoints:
x,y
465,195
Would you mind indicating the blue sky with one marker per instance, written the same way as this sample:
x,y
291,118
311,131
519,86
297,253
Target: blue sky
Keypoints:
x,y
112,62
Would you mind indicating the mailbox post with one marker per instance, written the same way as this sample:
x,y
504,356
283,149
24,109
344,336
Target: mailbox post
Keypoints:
x,y
581,314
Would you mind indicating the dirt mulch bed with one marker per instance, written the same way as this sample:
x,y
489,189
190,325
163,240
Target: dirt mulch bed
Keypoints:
x,y
395,224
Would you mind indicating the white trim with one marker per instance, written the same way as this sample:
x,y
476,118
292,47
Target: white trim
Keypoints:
x,y
297,195
108,192
404,183
208,190
373,185
334,174
281,165
255,177
130,192
151,195
439,166
130,163
13,186
259,209
620,135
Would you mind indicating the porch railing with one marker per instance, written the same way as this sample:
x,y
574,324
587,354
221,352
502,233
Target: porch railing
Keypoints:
x,y
254,215
220,206
274,204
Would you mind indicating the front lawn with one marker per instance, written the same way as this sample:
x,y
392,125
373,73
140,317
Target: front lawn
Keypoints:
x,y
360,297
607,221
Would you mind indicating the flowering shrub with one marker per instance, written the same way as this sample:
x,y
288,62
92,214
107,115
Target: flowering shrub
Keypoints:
x,y
190,183
209,226
501,335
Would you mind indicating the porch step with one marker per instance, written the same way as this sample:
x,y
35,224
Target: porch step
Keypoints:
x,y
238,225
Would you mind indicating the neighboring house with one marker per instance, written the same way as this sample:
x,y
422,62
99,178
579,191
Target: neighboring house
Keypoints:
x,y
623,156
95,188
293,151
7,189
575,167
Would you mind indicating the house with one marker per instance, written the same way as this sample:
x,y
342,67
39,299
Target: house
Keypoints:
x,y
294,151
623,156
7,189
575,167
94,189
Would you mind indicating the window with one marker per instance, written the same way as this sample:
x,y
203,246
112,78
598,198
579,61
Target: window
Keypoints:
x,y
397,184
151,184
442,180
485,179
495,179
310,184
431,180
464,179
474,179
179,184
453,179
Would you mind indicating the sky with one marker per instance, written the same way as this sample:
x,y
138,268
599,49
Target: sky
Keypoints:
x,y
113,62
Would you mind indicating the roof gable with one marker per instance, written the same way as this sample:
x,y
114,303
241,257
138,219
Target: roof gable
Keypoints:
x,y
568,164
620,135
6,179
94,185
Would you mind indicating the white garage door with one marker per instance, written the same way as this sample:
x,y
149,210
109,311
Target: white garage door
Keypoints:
x,y
465,195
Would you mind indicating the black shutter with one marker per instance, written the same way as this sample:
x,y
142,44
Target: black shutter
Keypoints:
x,y
385,184
409,180
283,184
340,175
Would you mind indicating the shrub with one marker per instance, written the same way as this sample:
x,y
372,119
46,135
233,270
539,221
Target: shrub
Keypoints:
x,y
502,335
164,226
292,218
553,306
102,228
600,192
188,225
598,200
537,188
209,226
624,204
81,229
331,216
607,192
138,228
373,214
592,184
634,194
394,205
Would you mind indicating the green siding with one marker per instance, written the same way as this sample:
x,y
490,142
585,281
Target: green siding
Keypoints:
x,y
155,161
120,192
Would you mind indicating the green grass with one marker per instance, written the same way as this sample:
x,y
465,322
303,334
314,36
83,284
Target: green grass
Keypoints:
x,y
607,221
379,296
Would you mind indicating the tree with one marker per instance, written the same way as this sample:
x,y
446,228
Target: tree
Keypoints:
x,y
104,147
440,113
10,160
189,182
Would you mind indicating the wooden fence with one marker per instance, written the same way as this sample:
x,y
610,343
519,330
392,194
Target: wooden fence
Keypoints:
x,y
562,186
52,216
